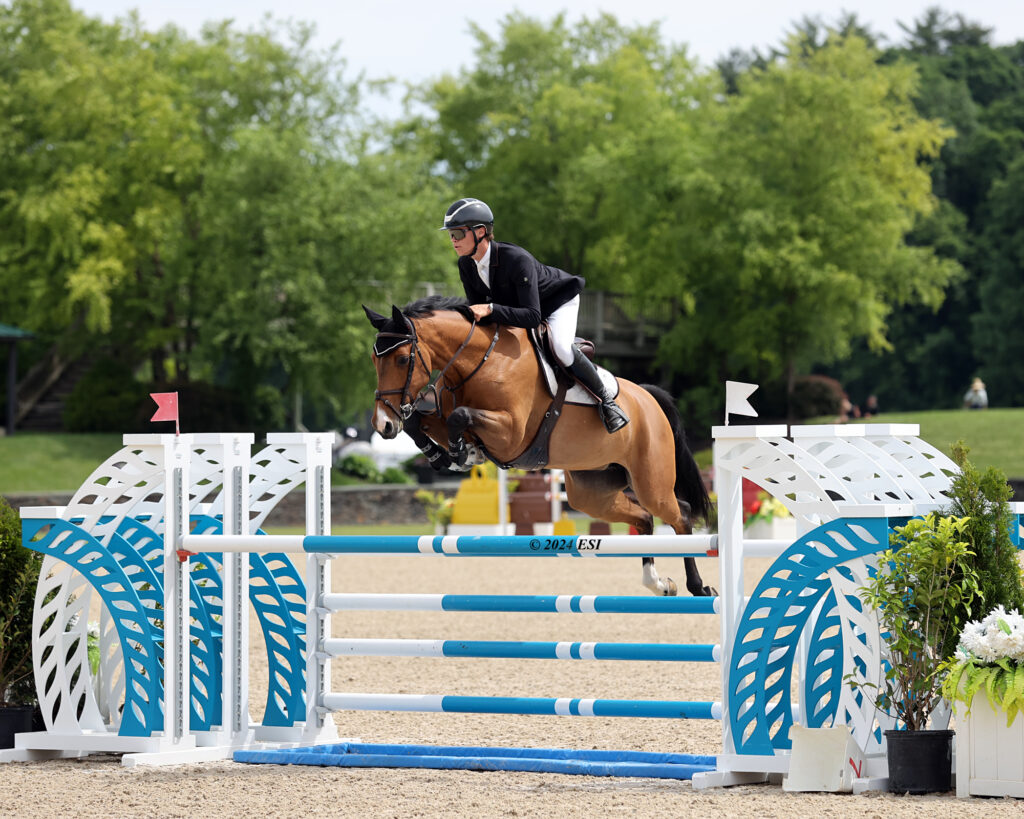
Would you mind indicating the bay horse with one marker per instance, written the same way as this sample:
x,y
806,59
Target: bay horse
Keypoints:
x,y
491,390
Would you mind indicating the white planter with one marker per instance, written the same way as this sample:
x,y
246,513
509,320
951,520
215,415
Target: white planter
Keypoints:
x,y
989,755
775,529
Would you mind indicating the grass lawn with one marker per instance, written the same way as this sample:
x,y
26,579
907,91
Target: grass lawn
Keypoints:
x,y
60,462
994,436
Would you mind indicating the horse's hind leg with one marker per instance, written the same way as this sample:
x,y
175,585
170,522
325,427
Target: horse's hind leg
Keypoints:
x,y
676,514
601,495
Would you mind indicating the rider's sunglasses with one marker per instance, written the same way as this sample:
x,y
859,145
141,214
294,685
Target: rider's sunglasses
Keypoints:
x,y
458,234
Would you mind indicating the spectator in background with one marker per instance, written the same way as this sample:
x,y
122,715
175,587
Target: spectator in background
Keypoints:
x,y
976,397
847,410
871,406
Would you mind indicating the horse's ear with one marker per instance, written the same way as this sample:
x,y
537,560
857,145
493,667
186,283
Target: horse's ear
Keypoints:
x,y
376,319
398,317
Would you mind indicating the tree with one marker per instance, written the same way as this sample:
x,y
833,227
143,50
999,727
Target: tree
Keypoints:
x,y
978,89
575,137
201,208
800,248
996,335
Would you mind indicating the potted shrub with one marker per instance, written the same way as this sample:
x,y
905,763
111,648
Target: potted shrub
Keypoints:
x,y
925,579
19,572
983,498
986,686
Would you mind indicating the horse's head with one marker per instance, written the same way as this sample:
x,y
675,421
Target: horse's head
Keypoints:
x,y
396,355
403,359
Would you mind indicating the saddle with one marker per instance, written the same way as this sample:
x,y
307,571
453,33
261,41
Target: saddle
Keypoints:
x,y
554,372
563,389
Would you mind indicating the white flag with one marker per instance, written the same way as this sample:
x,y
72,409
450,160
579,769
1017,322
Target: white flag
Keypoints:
x,y
736,403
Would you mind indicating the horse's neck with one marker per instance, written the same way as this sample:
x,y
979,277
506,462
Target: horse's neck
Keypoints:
x,y
510,369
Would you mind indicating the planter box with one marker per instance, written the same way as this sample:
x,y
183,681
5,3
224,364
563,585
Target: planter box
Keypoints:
x,y
774,529
989,755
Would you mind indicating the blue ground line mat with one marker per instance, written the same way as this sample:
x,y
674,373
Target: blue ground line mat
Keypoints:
x,y
454,757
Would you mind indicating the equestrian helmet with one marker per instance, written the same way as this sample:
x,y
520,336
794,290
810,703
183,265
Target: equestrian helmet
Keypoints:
x,y
467,213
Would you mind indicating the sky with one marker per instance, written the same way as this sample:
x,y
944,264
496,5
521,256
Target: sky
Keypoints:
x,y
416,40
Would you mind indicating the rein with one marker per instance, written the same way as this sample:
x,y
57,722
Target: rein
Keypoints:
x,y
408,405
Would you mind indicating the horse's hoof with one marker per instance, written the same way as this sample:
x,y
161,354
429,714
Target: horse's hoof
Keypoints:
x,y
670,589
707,591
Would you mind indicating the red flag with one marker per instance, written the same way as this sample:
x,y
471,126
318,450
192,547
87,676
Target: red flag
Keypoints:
x,y
167,404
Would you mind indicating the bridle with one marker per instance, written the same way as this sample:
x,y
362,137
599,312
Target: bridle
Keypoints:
x,y
387,342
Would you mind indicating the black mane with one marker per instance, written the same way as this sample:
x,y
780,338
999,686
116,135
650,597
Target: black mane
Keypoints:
x,y
429,305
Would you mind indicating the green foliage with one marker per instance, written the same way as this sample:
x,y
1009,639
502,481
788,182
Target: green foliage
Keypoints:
x,y
996,325
106,399
439,507
816,395
218,217
981,498
978,89
394,474
1002,682
19,573
801,239
990,657
925,580
360,466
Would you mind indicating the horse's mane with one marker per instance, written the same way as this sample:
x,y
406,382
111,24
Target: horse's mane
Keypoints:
x,y
429,305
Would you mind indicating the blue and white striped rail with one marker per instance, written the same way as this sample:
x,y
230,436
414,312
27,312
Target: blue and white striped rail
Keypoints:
x,y
448,757
549,706
516,650
532,603
451,545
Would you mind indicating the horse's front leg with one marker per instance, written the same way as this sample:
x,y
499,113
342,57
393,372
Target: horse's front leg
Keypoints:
x,y
435,455
491,427
459,421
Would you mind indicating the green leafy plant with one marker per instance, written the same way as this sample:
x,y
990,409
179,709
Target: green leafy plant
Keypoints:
x,y
438,506
395,474
982,498
925,579
19,572
990,657
360,466
93,646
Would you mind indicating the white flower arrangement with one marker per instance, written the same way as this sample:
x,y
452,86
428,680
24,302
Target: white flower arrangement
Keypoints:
x,y
990,656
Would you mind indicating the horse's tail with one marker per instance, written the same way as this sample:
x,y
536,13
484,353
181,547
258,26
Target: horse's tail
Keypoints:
x,y
689,483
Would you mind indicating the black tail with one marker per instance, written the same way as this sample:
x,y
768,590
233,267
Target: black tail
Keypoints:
x,y
689,483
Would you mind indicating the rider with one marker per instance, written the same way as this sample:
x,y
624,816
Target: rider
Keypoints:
x,y
505,283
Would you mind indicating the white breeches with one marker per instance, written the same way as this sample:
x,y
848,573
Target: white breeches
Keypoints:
x,y
562,329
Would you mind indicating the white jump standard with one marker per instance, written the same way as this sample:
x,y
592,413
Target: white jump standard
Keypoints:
x,y
161,533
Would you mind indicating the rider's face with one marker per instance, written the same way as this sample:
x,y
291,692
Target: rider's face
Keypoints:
x,y
464,246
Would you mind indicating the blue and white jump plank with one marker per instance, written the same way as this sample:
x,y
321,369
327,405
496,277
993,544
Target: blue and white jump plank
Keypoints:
x,y
544,706
537,650
533,603
448,757
452,545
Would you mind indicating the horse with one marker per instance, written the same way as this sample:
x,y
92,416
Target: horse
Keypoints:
x,y
490,390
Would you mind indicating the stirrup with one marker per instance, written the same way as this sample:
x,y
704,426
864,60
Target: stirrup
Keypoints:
x,y
612,415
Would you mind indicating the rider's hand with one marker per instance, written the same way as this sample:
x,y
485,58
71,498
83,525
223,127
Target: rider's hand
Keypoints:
x,y
481,310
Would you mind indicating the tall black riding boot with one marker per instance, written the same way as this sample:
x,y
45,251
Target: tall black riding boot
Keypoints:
x,y
584,371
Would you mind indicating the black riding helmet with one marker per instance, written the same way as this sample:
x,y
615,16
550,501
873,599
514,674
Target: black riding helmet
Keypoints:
x,y
468,213
471,214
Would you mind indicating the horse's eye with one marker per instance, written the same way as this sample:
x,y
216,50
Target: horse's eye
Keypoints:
x,y
402,360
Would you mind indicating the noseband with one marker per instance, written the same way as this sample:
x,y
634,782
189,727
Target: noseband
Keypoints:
x,y
389,342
